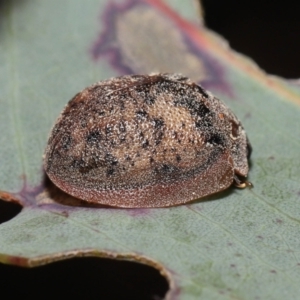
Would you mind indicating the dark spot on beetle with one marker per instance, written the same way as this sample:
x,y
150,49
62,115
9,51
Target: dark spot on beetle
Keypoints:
x,y
110,159
194,105
178,158
141,88
77,163
159,130
151,160
141,114
122,104
144,91
182,125
165,169
127,157
122,127
66,142
145,144
93,137
108,129
234,129
109,186
82,166
149,100
83,123
110,171
158,123
215,139
249,149
112,142
181,91
200,90
175,134
203,124
198,153
191,141
158,137
88,168
207,123
199,124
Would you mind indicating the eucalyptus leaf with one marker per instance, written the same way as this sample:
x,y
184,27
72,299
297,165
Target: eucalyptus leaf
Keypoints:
x,y
241,244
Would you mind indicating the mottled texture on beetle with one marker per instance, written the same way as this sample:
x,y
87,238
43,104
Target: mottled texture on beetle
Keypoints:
x,y
146,141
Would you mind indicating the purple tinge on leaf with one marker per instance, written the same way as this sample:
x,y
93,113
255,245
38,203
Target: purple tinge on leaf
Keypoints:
x,y
146,36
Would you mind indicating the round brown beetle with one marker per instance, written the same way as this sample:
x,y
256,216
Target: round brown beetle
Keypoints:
x,y
146,141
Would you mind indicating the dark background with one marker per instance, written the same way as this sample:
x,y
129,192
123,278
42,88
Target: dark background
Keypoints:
x,y
266,31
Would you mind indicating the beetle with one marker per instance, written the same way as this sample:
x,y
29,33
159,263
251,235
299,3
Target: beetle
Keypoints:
x,y
153,140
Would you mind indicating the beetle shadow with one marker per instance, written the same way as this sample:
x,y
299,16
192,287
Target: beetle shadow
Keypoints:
x,y
54,195
217,196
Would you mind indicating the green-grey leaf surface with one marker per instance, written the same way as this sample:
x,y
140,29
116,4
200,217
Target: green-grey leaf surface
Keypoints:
x,y
240,244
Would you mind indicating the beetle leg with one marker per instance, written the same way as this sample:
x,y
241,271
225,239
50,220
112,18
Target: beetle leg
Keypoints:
x,y
242,183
